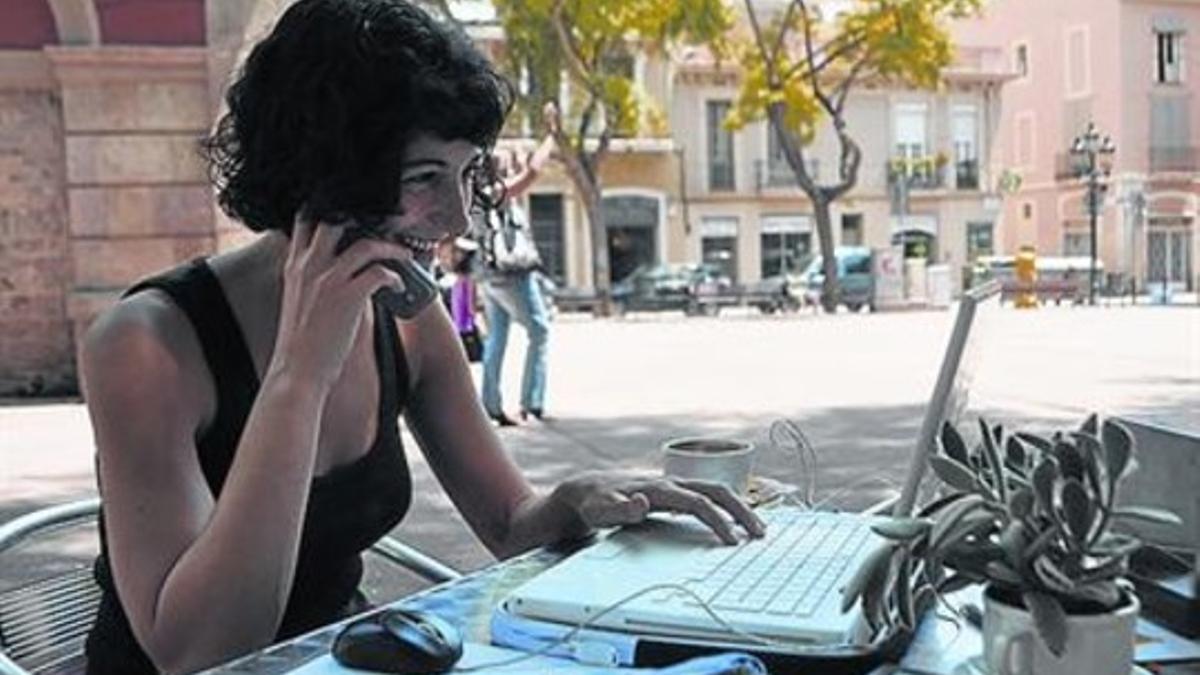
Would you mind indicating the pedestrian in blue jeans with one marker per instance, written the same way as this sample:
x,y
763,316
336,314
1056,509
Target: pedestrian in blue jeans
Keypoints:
x,y
509,298
511,291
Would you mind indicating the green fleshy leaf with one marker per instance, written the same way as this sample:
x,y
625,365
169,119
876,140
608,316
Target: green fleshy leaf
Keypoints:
x,y
1116,545
993,457
1106,593
952,516
1070,461
1113,568
1013,540
901,529
1040,543
1118,449
937,505
1091,425
1036,441
904,595
1093,455
1052,575
953,445
954,474
1147,514
1050,618
879,560
1078,510
1014,454
1044,478
1020,503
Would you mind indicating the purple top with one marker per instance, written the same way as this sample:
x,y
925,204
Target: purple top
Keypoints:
x,y
462,304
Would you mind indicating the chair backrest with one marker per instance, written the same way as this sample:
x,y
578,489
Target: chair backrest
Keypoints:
x,y
43,624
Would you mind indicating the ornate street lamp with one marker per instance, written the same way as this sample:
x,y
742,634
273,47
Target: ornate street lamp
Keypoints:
x,y
1094,154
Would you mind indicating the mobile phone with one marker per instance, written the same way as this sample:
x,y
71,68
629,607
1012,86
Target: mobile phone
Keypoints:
x,y
420,288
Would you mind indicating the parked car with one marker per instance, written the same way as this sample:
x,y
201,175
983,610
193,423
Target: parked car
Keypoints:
x,y
671,286
856,285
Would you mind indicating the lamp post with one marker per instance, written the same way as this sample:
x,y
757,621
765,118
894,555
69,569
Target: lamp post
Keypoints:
x,y
1094,153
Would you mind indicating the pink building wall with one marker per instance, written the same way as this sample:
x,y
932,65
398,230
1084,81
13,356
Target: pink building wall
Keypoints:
x,y
1092,59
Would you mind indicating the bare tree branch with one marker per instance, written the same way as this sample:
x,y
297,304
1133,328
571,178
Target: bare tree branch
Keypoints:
x,y
575,61
810,54
772,80
783,29
843,89
829,57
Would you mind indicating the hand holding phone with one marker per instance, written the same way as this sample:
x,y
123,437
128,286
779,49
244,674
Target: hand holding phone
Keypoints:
x,y
420,288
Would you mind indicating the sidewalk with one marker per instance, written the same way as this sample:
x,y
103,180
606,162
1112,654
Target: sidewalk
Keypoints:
x,y
619,388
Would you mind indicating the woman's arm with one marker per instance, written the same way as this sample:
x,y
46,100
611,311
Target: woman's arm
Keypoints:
x,y
202,580
488,488
445,416
525,176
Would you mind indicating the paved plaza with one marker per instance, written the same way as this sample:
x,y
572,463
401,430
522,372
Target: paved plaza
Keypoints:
x,y
855,383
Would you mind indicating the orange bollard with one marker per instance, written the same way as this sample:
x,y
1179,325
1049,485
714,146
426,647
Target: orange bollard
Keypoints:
x,y
1026,272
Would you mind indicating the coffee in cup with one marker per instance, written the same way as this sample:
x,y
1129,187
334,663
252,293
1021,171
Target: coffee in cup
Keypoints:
x,y
717,460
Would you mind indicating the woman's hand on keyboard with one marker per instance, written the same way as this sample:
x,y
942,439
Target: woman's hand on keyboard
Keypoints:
x,y
608,500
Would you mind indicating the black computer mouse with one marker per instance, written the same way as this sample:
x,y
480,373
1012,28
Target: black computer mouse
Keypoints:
x,y
399,641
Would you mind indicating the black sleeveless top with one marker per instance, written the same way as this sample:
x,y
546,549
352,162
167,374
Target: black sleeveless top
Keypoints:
x,y
349,508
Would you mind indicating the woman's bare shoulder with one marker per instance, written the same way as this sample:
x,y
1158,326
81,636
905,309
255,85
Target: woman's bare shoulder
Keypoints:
x,y
145,345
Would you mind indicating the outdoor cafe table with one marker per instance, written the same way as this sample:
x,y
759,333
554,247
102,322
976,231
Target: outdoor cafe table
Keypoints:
x,y
469,602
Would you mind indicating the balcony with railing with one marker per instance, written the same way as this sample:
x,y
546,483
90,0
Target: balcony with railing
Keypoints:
x,y
917,174
1174,159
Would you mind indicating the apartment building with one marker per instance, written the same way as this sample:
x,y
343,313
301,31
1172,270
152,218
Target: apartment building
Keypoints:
x,y
748,214
704,193
1131,67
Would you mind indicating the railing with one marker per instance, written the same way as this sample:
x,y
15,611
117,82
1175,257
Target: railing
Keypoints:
x,y
966,174
780,175
1182,159
918,177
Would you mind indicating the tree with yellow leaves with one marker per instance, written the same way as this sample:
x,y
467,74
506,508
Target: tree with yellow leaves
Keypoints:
x,y
592,43
800,65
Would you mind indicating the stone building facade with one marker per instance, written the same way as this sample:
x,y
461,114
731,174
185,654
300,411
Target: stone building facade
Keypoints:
x,y
101,106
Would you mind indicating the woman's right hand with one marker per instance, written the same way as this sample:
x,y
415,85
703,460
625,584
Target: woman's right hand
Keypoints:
x,y
324,297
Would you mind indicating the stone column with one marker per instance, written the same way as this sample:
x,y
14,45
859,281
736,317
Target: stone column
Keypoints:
x,y
137,193
36,353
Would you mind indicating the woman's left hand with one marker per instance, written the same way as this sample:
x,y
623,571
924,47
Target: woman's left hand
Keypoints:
x,y
609,500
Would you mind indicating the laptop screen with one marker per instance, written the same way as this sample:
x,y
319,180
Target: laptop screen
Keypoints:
x,y
950,393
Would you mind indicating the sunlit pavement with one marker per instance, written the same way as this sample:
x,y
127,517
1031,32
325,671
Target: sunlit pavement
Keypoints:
x,y
619,388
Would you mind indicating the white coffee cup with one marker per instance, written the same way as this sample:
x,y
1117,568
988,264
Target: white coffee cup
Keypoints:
x,y
718,460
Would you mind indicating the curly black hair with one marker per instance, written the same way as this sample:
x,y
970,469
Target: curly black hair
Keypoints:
x,y
323,107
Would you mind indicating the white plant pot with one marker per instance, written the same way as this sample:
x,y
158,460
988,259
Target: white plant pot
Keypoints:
x,y
1097,644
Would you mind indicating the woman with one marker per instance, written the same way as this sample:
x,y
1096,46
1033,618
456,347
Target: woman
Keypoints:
x,y
244,406
460,295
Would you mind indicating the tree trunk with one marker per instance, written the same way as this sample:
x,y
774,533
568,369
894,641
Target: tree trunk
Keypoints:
x,y
830,291
601,275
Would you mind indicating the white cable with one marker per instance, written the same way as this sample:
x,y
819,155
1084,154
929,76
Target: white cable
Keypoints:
x,y
566,637
785,435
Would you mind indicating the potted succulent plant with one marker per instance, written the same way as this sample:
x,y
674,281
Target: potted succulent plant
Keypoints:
x,y
1032,519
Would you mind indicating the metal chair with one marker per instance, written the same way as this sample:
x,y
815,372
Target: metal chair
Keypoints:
x,y
43,624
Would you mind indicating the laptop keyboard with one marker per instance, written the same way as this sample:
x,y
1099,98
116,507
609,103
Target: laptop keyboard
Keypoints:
x,y
787,573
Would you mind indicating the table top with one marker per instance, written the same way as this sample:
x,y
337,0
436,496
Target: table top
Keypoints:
x,y
940,646
466,602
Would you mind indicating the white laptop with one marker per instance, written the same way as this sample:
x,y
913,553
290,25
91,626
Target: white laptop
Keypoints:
x,y
785,587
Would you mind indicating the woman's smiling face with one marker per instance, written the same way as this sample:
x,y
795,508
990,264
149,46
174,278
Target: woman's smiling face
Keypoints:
x,y
437,181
